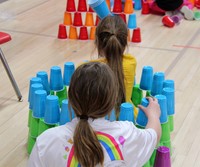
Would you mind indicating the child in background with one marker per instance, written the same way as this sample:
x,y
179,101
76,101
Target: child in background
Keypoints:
x,y
111,42
89,140
173,7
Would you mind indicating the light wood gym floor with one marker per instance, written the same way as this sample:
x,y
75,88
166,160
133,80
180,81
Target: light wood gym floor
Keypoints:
x,y
33,25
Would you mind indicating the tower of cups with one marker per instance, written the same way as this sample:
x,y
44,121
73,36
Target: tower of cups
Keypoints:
x,y
80,20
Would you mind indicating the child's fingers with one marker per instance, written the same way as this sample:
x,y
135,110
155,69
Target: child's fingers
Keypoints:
x,y
142,108
150,99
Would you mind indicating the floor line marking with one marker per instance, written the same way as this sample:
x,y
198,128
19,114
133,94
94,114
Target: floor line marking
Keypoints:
x,y
185,46
181,53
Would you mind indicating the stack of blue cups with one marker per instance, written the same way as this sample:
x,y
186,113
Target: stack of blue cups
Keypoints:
x,y
169,83
56,81
44,78
126,112
146,78
33,122
64,114
39,103
52,110
33,80
142,119
157,84
165,137
34,87
69,69
169,93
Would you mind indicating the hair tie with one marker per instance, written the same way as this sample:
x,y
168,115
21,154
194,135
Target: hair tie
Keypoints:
x,y
84,117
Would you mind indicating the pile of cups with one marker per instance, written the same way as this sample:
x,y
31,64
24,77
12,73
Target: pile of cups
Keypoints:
x,y
156,86
83,31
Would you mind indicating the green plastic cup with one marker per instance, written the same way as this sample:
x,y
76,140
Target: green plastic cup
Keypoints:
x,y
140,127
52,92
165,132
29,117
148,94
34,126
62,95
30,144
171,122
137,95
153,156
43,126
147,164
197,15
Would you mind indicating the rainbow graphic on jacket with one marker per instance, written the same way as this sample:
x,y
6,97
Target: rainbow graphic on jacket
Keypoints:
x,y
72,162
109,144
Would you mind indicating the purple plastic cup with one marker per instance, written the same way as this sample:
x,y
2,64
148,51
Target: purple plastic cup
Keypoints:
x,y
176,19
162,157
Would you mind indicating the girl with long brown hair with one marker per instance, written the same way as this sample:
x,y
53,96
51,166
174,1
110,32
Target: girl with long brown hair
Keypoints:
x,y
111,42
90,140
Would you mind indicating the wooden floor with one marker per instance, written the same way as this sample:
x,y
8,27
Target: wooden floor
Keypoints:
x,y
33,25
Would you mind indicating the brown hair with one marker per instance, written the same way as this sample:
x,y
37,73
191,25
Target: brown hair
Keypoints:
x,y
111,41
92,93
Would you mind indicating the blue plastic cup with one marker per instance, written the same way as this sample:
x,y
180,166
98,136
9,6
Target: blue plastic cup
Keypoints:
x,y
137,5
146,78
169,93
132,21
168,83
69,69
34,87
157,84
44,77
126,112
162,100
100,7
56,81
142,118
52,110
33,80
64,114
112,116
39,103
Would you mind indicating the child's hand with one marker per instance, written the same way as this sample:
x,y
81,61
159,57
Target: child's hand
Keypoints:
x,y
153,109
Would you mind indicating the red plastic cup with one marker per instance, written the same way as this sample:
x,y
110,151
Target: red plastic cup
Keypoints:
x,y
83,33
145,8
136,35
71,6
123,16
82,6
117,8
77,19
197,3
62,32
97,20
90,10
167,21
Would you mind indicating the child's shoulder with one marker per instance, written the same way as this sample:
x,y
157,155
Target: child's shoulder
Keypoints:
x,y
129,56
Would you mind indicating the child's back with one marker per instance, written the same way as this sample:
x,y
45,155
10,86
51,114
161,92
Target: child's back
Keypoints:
x,y
89,140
